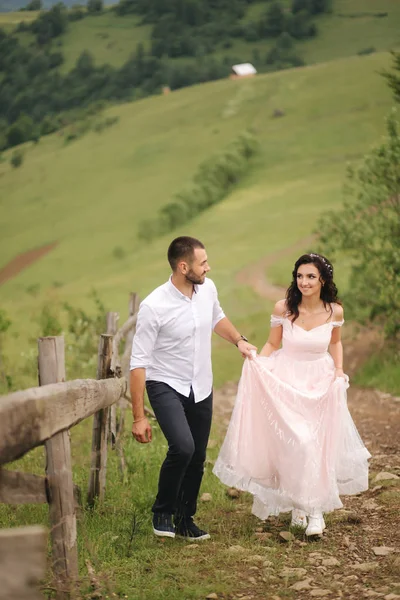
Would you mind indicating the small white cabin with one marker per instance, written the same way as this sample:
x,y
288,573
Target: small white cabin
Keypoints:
x,y
243,70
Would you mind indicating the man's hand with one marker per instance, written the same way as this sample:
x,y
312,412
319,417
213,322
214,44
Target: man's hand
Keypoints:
x,y
141,431
246,349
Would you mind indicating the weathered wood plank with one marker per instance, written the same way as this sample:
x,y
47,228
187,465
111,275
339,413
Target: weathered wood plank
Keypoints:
x,y
121,334
17,487
51,366
112,328
22,562
98,468
22,488
30,417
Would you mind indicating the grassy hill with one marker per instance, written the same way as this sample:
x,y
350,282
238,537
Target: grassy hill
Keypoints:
x,y
352,27
90,195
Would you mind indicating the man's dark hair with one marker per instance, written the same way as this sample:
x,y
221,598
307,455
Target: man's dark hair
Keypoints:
x,y
182,248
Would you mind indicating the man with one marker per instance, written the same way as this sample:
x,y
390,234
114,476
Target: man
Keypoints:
x,y
171,357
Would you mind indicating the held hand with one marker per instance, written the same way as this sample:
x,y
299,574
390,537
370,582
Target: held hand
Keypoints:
x,y
246,349
141,431
339,373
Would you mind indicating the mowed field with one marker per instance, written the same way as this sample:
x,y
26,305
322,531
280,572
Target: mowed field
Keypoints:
x,y
89,196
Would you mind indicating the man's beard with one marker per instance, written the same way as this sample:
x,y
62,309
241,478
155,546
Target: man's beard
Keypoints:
x,y
192,278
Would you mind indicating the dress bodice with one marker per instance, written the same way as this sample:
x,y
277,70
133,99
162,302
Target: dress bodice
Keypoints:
x,y
302,344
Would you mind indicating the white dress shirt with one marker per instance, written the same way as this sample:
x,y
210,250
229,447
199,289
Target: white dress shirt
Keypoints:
x,y
173,337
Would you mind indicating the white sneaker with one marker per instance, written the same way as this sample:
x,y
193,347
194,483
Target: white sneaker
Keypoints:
x,y
316,525
299,518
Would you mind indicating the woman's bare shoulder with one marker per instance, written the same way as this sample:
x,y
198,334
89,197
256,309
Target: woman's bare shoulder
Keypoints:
x,y
338,312
280,308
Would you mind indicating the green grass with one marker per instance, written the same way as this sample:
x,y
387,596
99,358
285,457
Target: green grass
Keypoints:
x,y
116,537
110,38
9,20
381,371
90,195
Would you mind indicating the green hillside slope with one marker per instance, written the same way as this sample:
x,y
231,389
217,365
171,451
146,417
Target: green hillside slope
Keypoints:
x,y
351,28
90,195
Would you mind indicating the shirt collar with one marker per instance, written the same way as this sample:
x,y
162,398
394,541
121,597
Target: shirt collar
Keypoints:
x,y
177,293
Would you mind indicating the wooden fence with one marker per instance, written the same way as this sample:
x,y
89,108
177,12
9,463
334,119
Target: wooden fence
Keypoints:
x,y
43,416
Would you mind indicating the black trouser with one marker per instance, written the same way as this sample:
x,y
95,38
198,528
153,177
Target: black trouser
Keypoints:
x,y
186,425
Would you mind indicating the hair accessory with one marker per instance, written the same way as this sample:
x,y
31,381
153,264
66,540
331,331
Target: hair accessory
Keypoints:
x,y
328,265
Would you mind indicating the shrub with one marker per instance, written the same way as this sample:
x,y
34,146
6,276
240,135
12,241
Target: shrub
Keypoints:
x,y
20,131
95,7
213,180
119,252
17,158
364,51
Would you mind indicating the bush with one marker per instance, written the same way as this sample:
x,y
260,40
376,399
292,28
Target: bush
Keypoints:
x,y
76,13
213,180
20,131
95,7
17,158
365,51
34,5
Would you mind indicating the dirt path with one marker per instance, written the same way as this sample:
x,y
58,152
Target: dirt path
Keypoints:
x,y
255,275
24,260
344,564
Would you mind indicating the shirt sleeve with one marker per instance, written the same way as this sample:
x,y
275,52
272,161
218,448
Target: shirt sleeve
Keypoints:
x,y
218,313
145,338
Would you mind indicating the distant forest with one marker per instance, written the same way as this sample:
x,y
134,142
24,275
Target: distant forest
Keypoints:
x,y
36,98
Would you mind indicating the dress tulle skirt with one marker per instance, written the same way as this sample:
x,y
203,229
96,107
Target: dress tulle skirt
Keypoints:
x,y
291,441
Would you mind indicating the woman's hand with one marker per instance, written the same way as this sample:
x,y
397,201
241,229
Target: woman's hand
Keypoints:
x,y
339,373
246,349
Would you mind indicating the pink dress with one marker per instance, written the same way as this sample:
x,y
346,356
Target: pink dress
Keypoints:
x,y
291,441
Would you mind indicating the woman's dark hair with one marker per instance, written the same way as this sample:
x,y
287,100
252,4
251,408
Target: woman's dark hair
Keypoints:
x,y
328,290
182,248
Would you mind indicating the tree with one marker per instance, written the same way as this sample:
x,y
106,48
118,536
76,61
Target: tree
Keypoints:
x,y
275,19
50,24
367,230
299,5
318,7
20,131
17,159
34,5
393,79
95,7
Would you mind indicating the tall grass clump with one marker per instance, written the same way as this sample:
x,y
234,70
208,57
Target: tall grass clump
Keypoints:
x,y
214,179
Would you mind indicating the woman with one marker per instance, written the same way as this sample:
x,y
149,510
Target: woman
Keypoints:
x,y
291,441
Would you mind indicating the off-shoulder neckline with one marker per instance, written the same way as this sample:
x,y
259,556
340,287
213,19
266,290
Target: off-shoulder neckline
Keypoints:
x,y
333,323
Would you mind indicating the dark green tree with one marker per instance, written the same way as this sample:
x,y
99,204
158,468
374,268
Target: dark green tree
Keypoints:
x,y
34,5
275,19
95,7
367,230
393,78
21,131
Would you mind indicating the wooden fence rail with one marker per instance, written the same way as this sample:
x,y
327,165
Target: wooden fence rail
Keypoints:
x,y
22,562
44,415
30,417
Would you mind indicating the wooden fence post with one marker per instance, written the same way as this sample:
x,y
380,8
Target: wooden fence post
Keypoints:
x,y
22,562
98,468
51,366
112,328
